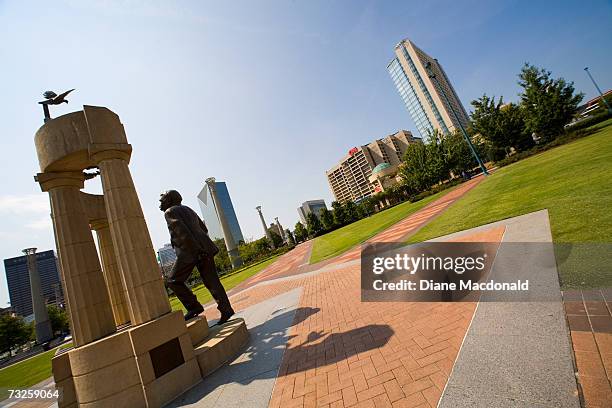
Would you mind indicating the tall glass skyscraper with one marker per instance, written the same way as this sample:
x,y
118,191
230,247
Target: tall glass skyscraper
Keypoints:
x,y
210,216
428,102
18,281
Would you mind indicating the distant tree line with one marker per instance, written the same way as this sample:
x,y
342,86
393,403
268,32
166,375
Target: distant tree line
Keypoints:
x,y
15,332
496,130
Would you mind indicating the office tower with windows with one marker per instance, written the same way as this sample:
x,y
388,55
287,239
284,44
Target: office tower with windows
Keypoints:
x,y
211,217
18,281
312,206
428,101
349,180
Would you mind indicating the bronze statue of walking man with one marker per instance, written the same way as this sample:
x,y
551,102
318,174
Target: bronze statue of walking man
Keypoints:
x,y
194,248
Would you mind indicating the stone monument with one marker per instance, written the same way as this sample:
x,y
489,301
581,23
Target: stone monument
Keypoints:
x,y
130,349
41,317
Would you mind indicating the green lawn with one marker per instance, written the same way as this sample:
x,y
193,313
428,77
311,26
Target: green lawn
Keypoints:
x,y
229,281
572,181
27,373
338,241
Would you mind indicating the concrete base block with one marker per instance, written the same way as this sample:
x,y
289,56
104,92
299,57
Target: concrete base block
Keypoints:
x,y
143,366
198,329
223,342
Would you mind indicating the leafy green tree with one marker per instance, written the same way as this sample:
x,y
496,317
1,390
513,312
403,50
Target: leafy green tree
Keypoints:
x,y
549,104
255,250
58,319
420,168
367,206
327,219
300,232
222,260
290,237
340,216
501,126
13,332
313,225
276,238
350,208
459,154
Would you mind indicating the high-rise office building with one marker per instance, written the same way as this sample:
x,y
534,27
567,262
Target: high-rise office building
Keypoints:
x,y
210,216
312,206
18,281
350,178
166,257
426,99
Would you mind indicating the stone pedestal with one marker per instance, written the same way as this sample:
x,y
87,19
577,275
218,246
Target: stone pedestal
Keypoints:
x,y
143,366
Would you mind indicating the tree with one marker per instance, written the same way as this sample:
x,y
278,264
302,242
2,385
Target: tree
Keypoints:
x,y
300,232
222,260
459,154
254,250
340,217
276,238
501,126
327,219
58,319
313,225
549,104
350,209
290,237
424,164
13,332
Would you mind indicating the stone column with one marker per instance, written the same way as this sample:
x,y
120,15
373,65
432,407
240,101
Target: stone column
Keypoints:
x,y
265,227
112,276
147,296
41,317
89,309
230,244
281,231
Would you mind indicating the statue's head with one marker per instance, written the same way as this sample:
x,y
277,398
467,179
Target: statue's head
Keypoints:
x,y
169,198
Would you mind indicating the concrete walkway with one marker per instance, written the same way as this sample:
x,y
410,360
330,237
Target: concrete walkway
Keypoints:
x,y
249,379
517,352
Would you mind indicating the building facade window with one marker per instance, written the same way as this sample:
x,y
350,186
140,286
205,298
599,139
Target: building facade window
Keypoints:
x,y
408,95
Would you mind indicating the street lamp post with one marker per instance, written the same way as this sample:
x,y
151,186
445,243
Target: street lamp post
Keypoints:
x,y
432,75
598,90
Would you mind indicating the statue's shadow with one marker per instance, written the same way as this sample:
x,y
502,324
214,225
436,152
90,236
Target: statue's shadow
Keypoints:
x,y
256,369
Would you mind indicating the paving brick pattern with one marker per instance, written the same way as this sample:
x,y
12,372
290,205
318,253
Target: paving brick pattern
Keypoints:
x,y
590,320
342,352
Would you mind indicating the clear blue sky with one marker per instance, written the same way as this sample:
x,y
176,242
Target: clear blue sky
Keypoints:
x,y
264,95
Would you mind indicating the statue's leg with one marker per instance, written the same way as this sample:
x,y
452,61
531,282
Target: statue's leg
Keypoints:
x,y
208,272
176,282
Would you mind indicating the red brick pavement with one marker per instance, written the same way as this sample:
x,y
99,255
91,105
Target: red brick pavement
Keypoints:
x,y
342,352
590,320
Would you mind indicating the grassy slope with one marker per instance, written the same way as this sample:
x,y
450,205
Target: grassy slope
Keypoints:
x,y
572,181
228,281
27,373
338,241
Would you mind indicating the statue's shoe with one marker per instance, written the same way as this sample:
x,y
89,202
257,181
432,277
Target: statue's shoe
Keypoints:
x,y
193,313
225,317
